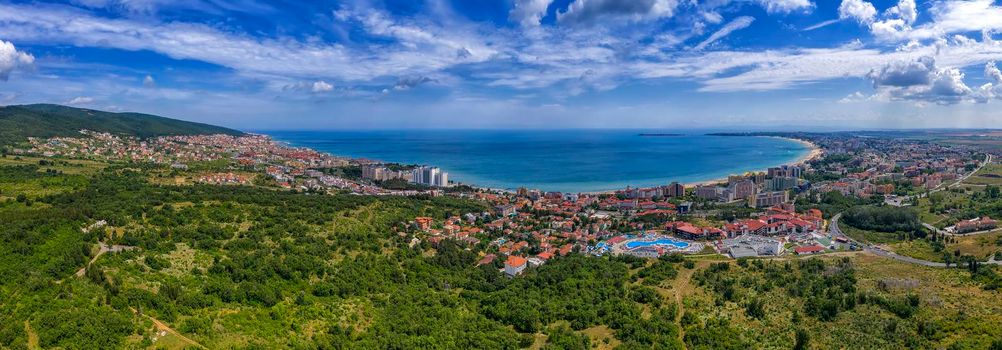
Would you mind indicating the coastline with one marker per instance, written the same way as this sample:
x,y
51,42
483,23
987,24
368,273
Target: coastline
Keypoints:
x,y
814,153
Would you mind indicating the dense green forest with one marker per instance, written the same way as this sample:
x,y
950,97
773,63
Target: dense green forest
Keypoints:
x,y
888,219
304,270
19,122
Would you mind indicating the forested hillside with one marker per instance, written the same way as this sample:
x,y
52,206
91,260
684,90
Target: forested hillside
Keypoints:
x,y
100,255
47,120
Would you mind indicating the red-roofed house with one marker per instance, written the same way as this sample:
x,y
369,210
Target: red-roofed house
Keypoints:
x,y
514,265
813,249
486,260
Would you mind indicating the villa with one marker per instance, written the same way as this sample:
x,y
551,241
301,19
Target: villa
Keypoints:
x,y
514,265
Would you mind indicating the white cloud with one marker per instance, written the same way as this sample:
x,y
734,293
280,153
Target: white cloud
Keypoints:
x,y
11,59
786,6
149,82
580,58
315,87
854,97
414,48
820,25
782,69
906,10
528,13
321,86
947,17
904,74
737,24
859,10
80,100
992,73
587,11
924,82
963,16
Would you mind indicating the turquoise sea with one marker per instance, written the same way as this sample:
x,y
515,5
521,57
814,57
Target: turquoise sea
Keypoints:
x,y
558,160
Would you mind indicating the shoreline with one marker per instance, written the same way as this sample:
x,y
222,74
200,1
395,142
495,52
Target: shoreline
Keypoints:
x,y
813,153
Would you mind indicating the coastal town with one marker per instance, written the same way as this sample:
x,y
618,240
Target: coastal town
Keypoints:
x,y
770,213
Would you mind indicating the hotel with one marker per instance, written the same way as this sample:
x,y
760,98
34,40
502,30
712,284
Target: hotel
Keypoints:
x,y
430,176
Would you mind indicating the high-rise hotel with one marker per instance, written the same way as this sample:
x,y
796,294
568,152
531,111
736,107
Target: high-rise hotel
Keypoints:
x,y
431,176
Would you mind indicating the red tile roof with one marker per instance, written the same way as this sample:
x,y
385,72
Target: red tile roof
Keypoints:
x,y
809,249
515,261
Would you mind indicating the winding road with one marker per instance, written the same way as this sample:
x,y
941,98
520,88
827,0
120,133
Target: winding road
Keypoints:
x,y
872,249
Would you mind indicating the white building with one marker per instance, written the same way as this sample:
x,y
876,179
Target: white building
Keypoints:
x,y
514,265
430,176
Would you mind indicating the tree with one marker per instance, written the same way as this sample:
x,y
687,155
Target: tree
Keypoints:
x,y
802,341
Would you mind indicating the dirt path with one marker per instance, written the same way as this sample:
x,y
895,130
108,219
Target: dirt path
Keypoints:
x,y
164,327
681,288
32,336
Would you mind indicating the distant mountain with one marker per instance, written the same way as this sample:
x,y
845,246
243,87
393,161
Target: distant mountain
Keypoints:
x,y
19,122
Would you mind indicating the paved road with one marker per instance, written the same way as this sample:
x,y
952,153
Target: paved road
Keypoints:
x,y
872,249
104,248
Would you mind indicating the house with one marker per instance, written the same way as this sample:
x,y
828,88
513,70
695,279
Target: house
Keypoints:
x,y
504,210
812,249
691,232
514,265
979,224
423,223
486,260
547,255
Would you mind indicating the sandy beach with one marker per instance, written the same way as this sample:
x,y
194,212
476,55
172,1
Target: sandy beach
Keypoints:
x,y
815,153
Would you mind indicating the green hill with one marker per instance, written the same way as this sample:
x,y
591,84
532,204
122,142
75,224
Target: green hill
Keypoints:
x,y
47,120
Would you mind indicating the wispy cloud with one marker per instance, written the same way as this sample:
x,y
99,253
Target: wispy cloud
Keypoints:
x,y
80,100
820,25
736,24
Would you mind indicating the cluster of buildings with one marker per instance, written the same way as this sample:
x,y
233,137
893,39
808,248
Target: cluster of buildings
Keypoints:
x,y
423,175
758,190
975,225
672,190
289,167
527,228
228,178
430,176
867,166
379,172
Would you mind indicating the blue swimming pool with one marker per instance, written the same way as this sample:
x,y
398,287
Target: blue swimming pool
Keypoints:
x,y
660,241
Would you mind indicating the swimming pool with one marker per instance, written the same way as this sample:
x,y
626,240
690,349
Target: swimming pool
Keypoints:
x,y
660,241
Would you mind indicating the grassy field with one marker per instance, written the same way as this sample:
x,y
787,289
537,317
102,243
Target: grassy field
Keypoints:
x,y
67,166
919,249
869,236
990,174
980,246
953,313
955,309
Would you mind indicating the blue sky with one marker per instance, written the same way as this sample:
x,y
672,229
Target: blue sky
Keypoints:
x,y
755,64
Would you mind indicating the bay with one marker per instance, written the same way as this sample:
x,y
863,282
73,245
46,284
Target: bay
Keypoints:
x,y
559,160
